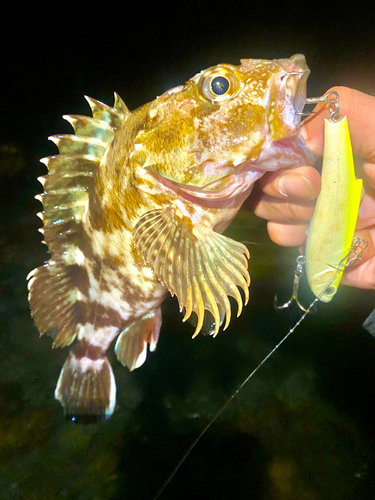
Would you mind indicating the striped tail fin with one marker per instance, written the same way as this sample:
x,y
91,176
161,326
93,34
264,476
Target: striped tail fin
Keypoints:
x,y
86,388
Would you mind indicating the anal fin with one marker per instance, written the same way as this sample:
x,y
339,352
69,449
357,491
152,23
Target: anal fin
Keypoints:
x,y
86,389
131,345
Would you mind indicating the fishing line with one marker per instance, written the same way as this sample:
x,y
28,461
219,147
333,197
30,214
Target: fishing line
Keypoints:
x,y
339,155
339,269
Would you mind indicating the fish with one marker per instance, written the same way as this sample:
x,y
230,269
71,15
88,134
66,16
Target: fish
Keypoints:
x,y
134,207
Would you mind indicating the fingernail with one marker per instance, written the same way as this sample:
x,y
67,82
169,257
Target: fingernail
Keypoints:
x,y
296,185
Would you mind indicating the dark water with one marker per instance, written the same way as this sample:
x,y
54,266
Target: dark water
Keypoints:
x,y
302,428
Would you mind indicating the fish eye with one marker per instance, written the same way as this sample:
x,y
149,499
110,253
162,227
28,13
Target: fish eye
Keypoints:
x,y
218,84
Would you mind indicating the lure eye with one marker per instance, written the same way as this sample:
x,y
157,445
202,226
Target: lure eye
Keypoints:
x,y
219,84
330,291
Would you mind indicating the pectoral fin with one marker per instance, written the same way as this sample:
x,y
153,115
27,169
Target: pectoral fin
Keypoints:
x,y
201,267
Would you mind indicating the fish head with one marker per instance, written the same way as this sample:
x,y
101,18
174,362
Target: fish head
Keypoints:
x,y
215,135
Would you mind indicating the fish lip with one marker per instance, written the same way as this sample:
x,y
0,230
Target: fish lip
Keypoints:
x,y
286,153
205,187
198,192
202,192
296,65
311,157
298,145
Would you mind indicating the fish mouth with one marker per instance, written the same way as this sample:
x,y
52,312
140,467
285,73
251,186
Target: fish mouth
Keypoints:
x,y
285,153
225,187
289,152
300,93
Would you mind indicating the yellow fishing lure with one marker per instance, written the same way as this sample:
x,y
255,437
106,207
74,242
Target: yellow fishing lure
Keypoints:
x,y
331,230
330,246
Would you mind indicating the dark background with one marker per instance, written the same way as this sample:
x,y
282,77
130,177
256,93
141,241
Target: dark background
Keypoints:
x,y
303,427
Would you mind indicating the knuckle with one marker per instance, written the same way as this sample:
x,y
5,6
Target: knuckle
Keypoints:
x,y
299,211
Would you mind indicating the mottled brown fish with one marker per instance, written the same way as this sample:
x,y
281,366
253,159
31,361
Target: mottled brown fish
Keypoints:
x,y
134,205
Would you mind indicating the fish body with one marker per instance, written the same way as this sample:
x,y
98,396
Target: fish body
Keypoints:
x,y
331,230
134,207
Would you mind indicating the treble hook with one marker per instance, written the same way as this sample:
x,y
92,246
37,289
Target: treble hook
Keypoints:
x,y
355,249
300,260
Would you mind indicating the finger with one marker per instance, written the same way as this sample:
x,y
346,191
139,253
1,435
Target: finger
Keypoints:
x,y
366,213
360,277
302,183
273,209
369,172
358,107
287,235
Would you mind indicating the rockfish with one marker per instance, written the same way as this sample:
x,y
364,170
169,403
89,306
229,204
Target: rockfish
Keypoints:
x,y
134,207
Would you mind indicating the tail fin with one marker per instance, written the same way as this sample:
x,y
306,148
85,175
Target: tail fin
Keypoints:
x,y
87,389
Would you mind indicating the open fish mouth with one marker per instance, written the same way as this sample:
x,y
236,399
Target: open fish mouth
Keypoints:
x,y
286,153
290,152
225,187
221,189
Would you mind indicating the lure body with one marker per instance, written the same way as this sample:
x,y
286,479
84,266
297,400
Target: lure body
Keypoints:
x,y
332,227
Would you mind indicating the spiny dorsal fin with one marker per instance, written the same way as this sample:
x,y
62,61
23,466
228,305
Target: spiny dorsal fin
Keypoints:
x,y
201,268
85,126
112,116
70,176
74,144
66,192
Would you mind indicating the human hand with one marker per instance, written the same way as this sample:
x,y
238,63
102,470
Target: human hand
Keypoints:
x,y
286,198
